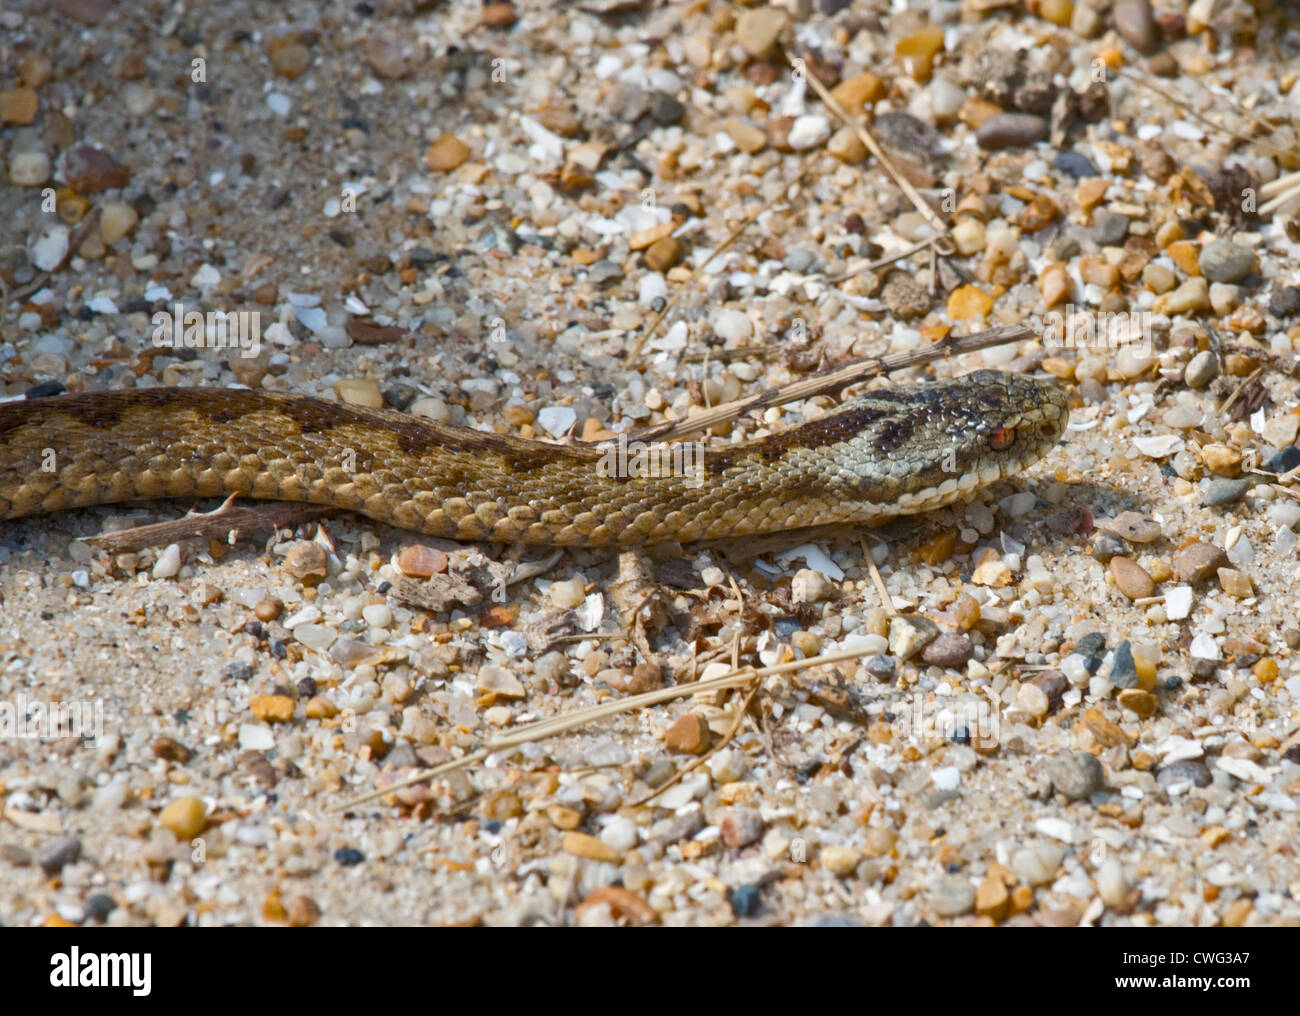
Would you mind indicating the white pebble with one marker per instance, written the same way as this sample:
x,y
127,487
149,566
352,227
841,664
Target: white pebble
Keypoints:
x,y
809,132
619,834
168,563
27,169
557,420
49,251
1178,603
377,615
732,325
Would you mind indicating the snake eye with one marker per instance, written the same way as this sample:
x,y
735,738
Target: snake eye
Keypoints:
x,y
1002,438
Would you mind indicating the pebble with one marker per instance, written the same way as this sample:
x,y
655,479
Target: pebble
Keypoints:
x,y
1192,295
1284,302
29,169
1281,429
116,220
1111,884
421,562
659,257
1224,261
1109,228
840,861
1184,771
185,817
307,561
48,252
905,297
348,856
1133,20
665,109
909,633
446,154
272,708
1135,700
689,734
93,171
759,29
1224,298
992,899
1037,864
948,650
55,854
809,131
732,325
809,586
746,900
302,912
1075,164
1285,460
1222,492
1235,583
619,834
289,61
740,827
168,563
99,907
359,391
1123,668
951,896
499,682
1011,130
1133,527
1131,578
1076,776
881,667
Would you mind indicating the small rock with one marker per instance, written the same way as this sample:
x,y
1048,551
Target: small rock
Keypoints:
x,y
446,154
1037,864
948,650
168,564
1077,775
1133,527
840,861
1109,228
1284,302
359,391
1111,884
882,668
1131,578
1235,583
421,562
905,297
116,219
55,854
1133,20
29,169
185,817
759,29
951,896
991,898
91,171
1201,369
302,912
307,561
1222,492
272,708
385,58
1011,130
663,254
1223,261
1075,164
809,586
740,827
1123,668
1184,771
909,633
1135,700
689,734
809,131
746,900
666,110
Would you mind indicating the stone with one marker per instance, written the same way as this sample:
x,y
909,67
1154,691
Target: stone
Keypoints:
x,y
272,708
29,169
740,827
385,58
289,61
1076,776
1222,459
810,586
1135,700
689,734
185,817
1109,228
1011,130
1235,583
1222,492
54,855
1224,261
1112,887
446,154
18,106
92,171
1123,668
421,562
1134,21
950,650
1184,771
116,220
307,561
1131,578
1284,302
663,254
759,29
590,847
1132,527
840,861
909,633
1201,369
359,391
991,898
951,896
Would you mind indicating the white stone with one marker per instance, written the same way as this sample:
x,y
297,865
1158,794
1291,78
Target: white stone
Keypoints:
x,y
49,251
168,563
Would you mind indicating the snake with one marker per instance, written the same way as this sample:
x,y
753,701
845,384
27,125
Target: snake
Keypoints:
x,y
894,451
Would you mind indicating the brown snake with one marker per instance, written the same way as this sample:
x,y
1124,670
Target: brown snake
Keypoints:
x,y
895,451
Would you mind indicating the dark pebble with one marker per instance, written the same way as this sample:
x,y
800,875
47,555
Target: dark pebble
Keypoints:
x,y
54,855
882,667
1075,164
787,626
276,648
1188,770
1053,684
45,389
98,907
745,900
659,773
1202,669
1284,302
1173,683
666,110
239,670
1092,647
1292,754
1109,228
1011,130
307,687
1285,460
1123,671
348,856
1225,492
1105,546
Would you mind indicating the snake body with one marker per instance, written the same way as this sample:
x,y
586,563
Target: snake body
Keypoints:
x,y
895,451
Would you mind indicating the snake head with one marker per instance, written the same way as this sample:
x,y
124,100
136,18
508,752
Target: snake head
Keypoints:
x,y
917,447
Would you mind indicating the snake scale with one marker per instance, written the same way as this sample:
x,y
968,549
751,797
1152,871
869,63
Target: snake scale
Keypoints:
x,y
894,451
